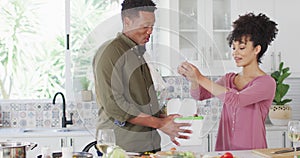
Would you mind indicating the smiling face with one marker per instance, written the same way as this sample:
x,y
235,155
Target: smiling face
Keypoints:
x,y
244,53
139,28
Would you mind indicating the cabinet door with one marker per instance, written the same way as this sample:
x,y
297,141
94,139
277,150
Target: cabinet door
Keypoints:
x,y
286,16
196,32
185,29
213,139
79,142
205,43
276,139
180,34
54,144
284,47
221,60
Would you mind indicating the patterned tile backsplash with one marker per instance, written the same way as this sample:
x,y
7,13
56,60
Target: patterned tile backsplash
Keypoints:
x,y
18,114
42,113
36,113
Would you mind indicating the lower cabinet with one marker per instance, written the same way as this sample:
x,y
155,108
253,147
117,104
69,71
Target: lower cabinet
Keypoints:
x,y
276,138
212,138
54,143
79,142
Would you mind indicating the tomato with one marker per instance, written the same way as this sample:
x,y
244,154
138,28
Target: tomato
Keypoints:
x,y
227,155
173,149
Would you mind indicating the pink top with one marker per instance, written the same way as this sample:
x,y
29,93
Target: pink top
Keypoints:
x,y
242,124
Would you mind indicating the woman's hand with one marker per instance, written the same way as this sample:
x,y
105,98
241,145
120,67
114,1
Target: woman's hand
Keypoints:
x,y
190,72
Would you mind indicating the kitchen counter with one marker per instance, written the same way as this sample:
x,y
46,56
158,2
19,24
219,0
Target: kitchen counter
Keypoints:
x,y
53,138
40,132
21,132
257,153
270,127
57,132
276,138
237,154
245,153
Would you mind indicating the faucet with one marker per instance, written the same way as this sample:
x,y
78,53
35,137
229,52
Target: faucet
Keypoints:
x,y
65,122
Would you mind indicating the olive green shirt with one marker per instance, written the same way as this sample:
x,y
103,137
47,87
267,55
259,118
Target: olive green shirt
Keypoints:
x,y
124,89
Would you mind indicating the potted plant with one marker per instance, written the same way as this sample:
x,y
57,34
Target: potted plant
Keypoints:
x,y
280,112
86,94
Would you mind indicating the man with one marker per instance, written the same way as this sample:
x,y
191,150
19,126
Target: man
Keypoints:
x,y
124,87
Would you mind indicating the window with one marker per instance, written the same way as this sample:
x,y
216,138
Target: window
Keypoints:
x,y
34,61
92,23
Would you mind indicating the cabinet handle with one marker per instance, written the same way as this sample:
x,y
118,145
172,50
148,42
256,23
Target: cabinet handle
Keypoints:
x,y
284,139
211,56
208,144
273,62
71,142
61,142
279,57
201,56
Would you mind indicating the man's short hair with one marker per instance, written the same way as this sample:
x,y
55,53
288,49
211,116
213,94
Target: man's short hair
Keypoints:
x,y
130,8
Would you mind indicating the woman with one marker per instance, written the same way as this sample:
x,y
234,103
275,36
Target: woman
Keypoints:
x,y
246,95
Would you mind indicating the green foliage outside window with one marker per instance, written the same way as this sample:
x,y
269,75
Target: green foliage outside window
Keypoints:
x,y
36,70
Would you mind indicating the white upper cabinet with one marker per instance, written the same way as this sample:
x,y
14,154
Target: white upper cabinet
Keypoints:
x,y
284,47
219,24
196,31
286,15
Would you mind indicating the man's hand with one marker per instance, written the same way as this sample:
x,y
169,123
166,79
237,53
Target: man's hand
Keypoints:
x,y
173,129
165,124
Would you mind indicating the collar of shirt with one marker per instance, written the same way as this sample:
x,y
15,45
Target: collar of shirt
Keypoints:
x,y
139,50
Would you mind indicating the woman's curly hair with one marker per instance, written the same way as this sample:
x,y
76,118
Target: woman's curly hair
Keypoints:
x,y
258,28
130,8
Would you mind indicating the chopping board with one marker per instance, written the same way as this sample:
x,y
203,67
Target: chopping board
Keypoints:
x,y
270,153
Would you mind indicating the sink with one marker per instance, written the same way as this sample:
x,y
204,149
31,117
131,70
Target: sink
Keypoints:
x,y
40,130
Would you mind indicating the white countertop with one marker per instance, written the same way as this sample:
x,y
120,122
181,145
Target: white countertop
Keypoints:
x,y
237,154
53,132
49,132
270,127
